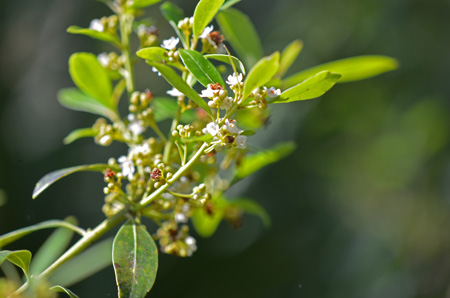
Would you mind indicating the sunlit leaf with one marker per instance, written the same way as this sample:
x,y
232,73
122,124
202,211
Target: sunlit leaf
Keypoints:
x,y
261,73
143,3
206,222
52,248
159,55
52,177
176,81
74,99
173,14
64,290
351,69
313,87
80,133
241,34
166,108
254,162
251,207
288,56
203,70
90,76
226,59
104,36
203,15
20,258
229,3
135,260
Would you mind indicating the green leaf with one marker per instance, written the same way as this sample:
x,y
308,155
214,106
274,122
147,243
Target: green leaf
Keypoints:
x,y
20,258
207,223
203,15
17,234
176,81
90,76
92,260
52,177
254,162
261,73
351,69
143,3
64,290
159,55
228,4
80,133
288,56
173,14
226,59
118,91
251,207
74,99
166,108
203,70
135,260
313,87
52,248
104,36
241,34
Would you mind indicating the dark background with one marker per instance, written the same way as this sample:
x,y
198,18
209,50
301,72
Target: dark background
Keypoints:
x,y
361,209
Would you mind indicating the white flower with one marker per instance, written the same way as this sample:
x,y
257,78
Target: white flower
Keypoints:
x,y
272,92
232,126
136,126
226,103
156,70
191,245
171,43
104,59
174,92
96,25
208,92
181,218
127,166
140,149
233,80
240,141
206,32
212,128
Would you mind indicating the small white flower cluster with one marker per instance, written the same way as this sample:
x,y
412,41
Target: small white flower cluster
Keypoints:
x,y
170,44
174,92
218,96
213,39
235,81
97,25
191,244
136,126
228,134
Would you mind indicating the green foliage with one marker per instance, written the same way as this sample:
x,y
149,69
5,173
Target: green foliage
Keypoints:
x,y
206,223
173,14
203,15
157,54
135,258
79,133
288,56
229,3
249,206
20,258
64,290
203,70
166,108
143,3
104,36
226,59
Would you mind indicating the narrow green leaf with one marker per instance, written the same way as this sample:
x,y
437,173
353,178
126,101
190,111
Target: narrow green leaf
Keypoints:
x,y
64,290
351,69
20,258
173,14
251,207
52,248
74,99
118,91
143,3
204,14
90,76
203,70
92,260
80,133
313,87
241,34
288,56
159,55
226,59
52,177
254,162
135,260
166,108
261,73
228,4
104,36
176,81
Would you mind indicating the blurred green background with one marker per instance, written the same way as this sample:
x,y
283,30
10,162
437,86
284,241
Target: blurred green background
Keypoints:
x,y
362,207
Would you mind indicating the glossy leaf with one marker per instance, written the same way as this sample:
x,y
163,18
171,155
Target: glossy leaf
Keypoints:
x,y
204,14
64,290
74,99
251,207
166,108
226,59
176,81
52,177
288,56
143,3
351,69
229,3
203,70
135,260
17,234
155,54
173,14
80,133
20,258
261,73
241,34
254,162
92,260
52,248
207,223
90,76
313,87
104,36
